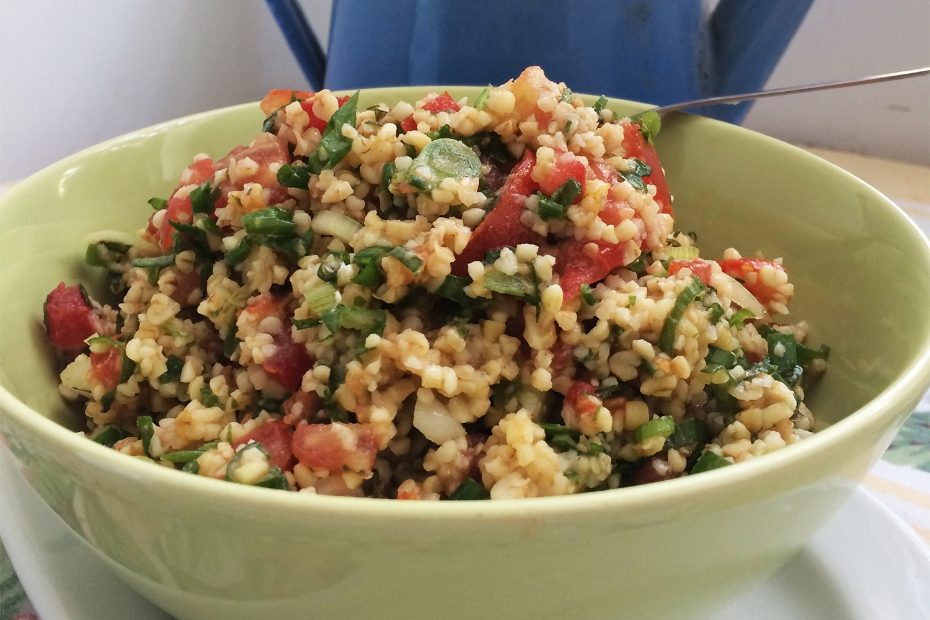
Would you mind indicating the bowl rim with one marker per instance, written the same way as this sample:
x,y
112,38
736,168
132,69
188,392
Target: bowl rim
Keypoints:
x,y
882,408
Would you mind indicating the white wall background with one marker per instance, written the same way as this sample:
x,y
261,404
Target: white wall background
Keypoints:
x,y
73,73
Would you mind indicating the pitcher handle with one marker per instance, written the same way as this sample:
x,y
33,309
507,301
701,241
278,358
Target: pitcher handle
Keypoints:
x,y
748,39
300,38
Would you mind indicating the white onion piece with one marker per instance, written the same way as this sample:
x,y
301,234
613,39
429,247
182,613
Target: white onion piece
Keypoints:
x,y
336,225
433,419
730,287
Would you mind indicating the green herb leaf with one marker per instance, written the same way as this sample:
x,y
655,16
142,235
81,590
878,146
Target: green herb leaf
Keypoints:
x,y
740,317
146,432
239,253
470,489
203,197
567,192
505,284
453,289
549,209
691,433
600,104
387,173
305,323
208,398
587,295
294,175
663,426
333,145
110,434
708,461
158,203
173,373
649,124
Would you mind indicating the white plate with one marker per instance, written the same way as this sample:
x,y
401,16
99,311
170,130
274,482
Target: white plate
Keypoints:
x,y
863,564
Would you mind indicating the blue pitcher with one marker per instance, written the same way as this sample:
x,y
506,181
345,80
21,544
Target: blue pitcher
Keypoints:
x,y
648,50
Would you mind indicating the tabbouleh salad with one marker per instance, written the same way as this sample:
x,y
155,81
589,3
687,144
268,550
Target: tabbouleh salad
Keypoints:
x,y
440,299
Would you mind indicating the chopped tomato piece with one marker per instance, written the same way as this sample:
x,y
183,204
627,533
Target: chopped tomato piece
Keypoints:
x,y
198,172
502,226
335,447
280,97
316,121
612,211
266,150
562,356
566,166
747,270
262,306
69,317
542,118
106,367
576,267
636,146
288,364
580,397
408,124
442,103
301,405
179,210
275,436
701,268
184,285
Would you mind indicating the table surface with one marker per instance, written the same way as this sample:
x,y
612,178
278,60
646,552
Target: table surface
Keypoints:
x,y
901,480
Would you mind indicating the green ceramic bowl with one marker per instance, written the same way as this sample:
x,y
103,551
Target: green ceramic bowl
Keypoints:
x,y
205,549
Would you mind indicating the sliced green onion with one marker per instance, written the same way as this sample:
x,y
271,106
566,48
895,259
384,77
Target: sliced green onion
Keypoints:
x,y
482,97
321,298
154,261
470,489
600,104
305,323
708,461
714,313
275,221
335,225
208,398
182,456
444,158
407,257
685,298
682,252
663,426
361,319
587,295
560,437
505,284
718,359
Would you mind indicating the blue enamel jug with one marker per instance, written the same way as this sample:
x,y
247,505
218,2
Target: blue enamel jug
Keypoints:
x,y
657,51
